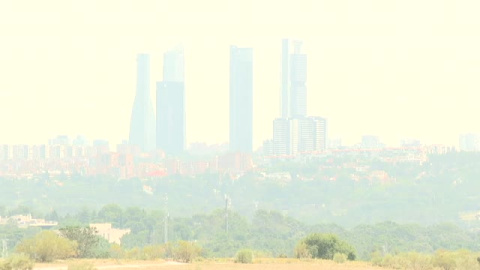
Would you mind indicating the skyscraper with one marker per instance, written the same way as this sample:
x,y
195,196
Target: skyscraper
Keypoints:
x,y
171,104
142,124
299,135
294,132
298,78
285,104
281,137
241,99
469,142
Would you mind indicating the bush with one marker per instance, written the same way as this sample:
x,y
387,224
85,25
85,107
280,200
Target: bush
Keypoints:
x,y
302,252
81,266
116,252
185,251
154,252
244,256
17,262
466,260
324,246
47,246
444,260
441,260
339,257
376,258
411,260
134,254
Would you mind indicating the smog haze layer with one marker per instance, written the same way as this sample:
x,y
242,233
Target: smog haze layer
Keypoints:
x,y
396,69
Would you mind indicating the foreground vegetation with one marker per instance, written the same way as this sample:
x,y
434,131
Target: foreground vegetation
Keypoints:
x,y
314,249
271,233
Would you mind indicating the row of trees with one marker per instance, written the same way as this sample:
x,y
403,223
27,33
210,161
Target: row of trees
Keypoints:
x,y
82,242
271,232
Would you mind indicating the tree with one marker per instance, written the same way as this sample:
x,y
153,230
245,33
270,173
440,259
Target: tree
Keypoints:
x,y
86,238
111,213
324,246
47,246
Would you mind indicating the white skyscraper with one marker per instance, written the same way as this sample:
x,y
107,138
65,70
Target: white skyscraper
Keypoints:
x,y
295,132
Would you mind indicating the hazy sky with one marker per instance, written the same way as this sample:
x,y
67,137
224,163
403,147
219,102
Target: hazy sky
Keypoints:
x,y
397,69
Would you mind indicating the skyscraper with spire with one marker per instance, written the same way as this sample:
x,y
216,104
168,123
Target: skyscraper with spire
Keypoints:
x,y
142,124
294,132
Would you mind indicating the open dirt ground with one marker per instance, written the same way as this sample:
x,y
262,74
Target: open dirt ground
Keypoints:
x,y
276,264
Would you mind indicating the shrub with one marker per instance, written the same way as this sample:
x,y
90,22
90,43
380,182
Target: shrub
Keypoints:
x,y
185,251
47,246
135,254
244,256
81,266
466,260
154,252
339,257
376,258
416,261
444,260
116,252
324,246
411,260
17,262
261,254
302,252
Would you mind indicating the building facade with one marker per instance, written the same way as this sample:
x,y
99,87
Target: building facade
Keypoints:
x,y
469,142
171,104
299,135
298,79
294,132
142,124
241,99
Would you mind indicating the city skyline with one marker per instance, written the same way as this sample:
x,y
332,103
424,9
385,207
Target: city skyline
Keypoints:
x,y
369,70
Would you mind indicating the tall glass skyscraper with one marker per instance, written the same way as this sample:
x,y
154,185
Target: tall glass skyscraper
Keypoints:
x,y
171,104
294,132
142,124
241,99
298,78
294,78
285,104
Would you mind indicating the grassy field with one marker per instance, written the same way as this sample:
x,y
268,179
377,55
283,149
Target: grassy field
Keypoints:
x,y
259,264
